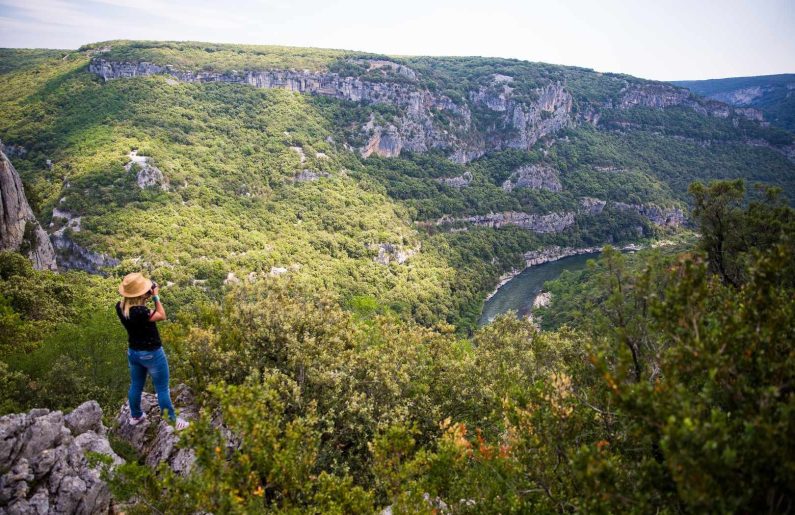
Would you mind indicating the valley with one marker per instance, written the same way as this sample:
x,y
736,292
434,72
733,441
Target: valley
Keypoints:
x,y
328,228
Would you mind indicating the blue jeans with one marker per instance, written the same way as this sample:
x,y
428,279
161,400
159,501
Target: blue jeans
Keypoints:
x,y
155,363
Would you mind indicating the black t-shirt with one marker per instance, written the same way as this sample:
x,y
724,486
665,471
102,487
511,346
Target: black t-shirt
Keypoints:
x,y
141,333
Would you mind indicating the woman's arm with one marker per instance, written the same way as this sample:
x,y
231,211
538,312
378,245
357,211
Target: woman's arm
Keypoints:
x,y
159,313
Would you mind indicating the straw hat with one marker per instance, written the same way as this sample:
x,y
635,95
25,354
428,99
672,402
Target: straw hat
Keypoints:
x,y
134,285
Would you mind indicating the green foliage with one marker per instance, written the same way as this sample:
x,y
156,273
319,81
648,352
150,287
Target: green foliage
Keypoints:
x,y
730,233
269,467
60,342
349,385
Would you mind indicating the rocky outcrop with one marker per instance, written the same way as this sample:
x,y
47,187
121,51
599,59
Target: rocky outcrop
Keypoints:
x,y
72,256
592,206
750,113
519,125
651,94
548,254
460,181
389,253
154,438
11,150
536,176
548,223
663,217
659,95
309,176
542,300
146,174
740,97
19,229
414,129
43,463
520,122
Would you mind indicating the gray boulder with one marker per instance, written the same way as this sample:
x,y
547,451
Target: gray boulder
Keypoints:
x,y
154,438
43,465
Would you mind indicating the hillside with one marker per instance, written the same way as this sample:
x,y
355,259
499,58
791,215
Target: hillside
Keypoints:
x,y
773,95
410,182
325,226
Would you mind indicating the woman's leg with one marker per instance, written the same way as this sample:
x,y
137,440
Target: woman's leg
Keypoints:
x,y
159,372
137,381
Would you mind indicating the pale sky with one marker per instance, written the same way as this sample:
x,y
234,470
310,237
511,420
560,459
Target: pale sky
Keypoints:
x,y
654,39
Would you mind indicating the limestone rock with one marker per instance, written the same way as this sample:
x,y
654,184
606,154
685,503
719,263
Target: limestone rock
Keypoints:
x,y
389,252
147,175
522,123
461,181
415,128
277,271
43,466
309,175
71,255
663,217
547,223
19,229
553,253
542,300
154,438
592,206
535,176
652,95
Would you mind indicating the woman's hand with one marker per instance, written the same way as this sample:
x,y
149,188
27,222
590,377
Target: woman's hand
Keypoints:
x,y
155,290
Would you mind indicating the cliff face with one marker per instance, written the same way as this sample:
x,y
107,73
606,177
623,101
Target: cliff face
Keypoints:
x,y
413,130
661,96
519,124
769,96
493,115
548,223
417,127
19,230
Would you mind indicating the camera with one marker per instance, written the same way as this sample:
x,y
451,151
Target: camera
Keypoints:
x,y
152,289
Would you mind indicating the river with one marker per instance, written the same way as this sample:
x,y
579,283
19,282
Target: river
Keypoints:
x,y
518,293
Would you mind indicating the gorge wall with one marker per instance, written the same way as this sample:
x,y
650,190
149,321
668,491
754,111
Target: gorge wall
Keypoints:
x,y
492,116
517,124
19,229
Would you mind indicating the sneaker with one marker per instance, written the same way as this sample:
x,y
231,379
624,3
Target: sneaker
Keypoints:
x,y
181,424
135,421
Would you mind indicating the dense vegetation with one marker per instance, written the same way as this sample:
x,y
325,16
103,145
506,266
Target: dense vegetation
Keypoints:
x,y
673,393
671,390
663,383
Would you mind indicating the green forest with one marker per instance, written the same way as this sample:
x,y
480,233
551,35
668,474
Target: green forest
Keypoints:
x,y
356,380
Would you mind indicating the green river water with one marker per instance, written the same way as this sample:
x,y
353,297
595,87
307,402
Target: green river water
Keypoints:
x,y
518,293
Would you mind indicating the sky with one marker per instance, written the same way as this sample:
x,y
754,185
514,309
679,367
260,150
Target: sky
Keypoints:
x,y
654,39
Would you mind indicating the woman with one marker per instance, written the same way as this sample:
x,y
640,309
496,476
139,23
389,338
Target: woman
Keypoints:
x,y
145,353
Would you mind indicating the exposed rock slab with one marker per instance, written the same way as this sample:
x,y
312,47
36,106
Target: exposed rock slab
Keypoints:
x,y
389,253
535,176
547,223
592,206
147,175
660,216
460,181
522,123
43,465
154,439
19,229
72,256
